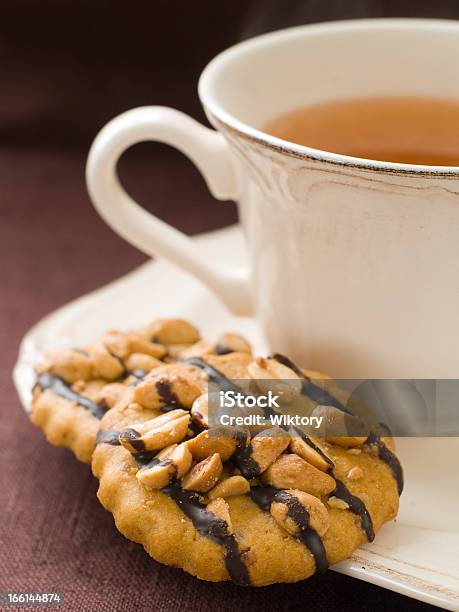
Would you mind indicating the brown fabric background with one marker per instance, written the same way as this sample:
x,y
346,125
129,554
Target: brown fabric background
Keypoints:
x,y
65,69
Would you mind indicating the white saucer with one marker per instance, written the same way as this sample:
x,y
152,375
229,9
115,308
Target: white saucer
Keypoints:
x,y
417,556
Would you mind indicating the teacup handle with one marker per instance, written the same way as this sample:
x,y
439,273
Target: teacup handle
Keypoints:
x,y
209,152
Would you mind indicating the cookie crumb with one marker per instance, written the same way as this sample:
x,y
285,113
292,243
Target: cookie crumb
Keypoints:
x,y
355,473
336,502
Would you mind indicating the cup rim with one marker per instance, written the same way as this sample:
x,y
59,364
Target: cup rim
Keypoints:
x,y
246,131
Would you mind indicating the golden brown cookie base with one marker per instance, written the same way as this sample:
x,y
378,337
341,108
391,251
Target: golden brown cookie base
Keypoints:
x,y
65,423
154,520
261,506
101,366
270,554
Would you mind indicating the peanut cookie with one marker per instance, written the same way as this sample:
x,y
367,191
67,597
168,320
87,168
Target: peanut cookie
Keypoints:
x,y
76,387
252,506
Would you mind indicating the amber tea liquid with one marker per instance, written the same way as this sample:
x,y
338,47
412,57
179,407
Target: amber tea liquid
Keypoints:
x,y
412,130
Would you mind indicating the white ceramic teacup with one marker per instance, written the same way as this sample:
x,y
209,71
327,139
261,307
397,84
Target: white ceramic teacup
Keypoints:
x,y
354,264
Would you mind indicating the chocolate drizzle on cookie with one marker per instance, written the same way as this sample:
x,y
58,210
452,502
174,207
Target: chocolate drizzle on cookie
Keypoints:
x,y
386,455
194,427
168,408
125,371
221,349
146,459
134,438
264,496
242,457
108,436
356,506
317,394
316,448
306,535
165,393
59,387
207,524
155,461
224,383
